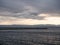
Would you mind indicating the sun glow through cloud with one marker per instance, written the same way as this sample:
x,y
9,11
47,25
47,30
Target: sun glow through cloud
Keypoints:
x,y
44,15
53,20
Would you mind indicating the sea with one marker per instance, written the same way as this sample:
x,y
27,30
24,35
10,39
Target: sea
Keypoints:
x,y
30,37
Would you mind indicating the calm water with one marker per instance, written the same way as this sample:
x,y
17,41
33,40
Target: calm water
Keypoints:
x,y
30,37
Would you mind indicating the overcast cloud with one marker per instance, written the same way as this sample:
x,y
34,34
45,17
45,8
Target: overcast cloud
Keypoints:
x,y
29,9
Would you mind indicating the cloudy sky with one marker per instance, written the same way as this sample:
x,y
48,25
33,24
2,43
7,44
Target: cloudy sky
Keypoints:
x,y
29,12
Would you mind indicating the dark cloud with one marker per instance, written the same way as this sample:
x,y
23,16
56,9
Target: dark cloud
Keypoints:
x,y
29,8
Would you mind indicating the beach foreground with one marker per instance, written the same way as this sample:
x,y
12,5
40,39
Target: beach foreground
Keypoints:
x,y
30,37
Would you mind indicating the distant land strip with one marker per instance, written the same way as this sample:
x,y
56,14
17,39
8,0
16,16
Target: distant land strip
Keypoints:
x,y
14,28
